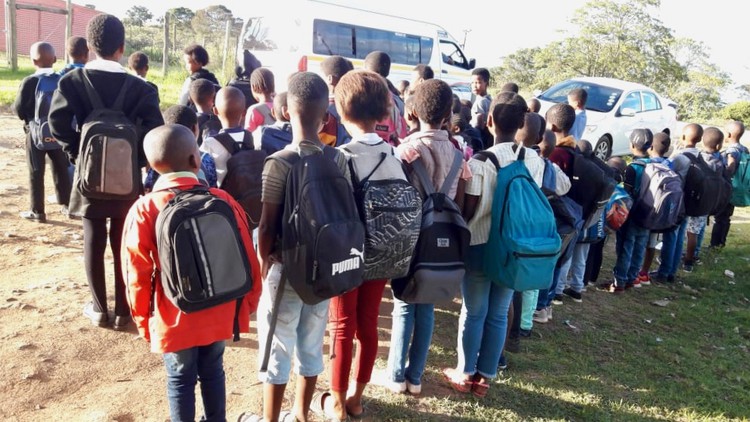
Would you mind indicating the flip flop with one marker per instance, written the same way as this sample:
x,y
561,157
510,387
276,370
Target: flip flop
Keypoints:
x,y
359,416
318,407
460,386
480,389
247,417
286,416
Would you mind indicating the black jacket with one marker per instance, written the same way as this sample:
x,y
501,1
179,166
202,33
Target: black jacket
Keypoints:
x,y
25,103
71,104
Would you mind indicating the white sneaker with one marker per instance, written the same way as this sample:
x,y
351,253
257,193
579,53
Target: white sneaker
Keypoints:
x,y
414,390
540,316
396,387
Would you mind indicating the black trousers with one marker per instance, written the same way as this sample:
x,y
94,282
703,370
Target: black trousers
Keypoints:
x,y
35,159
722,220
94,245
594,262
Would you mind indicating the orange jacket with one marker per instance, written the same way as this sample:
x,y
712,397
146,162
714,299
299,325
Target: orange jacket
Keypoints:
x,y
169,329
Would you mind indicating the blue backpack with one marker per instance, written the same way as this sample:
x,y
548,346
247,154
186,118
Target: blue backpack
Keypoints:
x,y
274,138
39,128
523,246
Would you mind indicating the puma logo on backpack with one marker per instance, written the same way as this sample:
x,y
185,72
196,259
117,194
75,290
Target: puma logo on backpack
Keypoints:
x,y
389,206
440,255
322,238
108,160
244,176
39,128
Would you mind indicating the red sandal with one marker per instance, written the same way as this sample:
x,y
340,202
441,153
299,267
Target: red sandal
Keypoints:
x,y
479,389
460,386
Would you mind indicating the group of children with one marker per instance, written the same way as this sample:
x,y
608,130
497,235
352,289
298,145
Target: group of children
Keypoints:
x,y
358,119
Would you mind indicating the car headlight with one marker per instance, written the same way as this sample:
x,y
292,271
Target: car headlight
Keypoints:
x,y
590,129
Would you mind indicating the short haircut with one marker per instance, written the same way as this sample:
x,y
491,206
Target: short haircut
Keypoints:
x,y
561,115
508,110
138,60
433,101
180,115
40,49
510,86
198,53
713,138
579,94
693,132
168,148
363,96
585,147
279,103
403,85
202,91
661,143
459,121
336,66
619,165
77,47
530,134
424,71
378,62
230,104
543,127
307,96
483,73
534,105
261,80
106,34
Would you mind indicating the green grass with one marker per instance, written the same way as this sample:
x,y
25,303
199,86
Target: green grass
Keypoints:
x,y
627,359
169,85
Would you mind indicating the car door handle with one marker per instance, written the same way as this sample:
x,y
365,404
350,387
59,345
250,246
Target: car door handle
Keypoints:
x,y
444,71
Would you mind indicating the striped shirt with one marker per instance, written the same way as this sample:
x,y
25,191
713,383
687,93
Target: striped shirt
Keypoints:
x,y
484,181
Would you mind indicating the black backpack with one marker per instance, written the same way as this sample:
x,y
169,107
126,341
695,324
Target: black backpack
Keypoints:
x,y
439,261
275,137
39,128
208,126
591,186
203,260
244,177
391,209
323,239
706,191
108,160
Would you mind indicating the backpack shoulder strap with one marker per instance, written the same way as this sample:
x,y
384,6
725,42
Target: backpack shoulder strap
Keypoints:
x,y
120,100
453,174
227,142
424,179
248,141
94,98
486,155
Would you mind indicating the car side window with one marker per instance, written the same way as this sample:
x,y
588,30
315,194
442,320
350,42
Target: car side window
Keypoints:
x,y
452,55
632,101
650,102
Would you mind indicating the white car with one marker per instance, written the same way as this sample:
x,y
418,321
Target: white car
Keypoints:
x,y
613,109
463,90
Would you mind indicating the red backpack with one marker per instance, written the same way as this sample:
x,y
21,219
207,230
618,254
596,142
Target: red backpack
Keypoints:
x,y
394,127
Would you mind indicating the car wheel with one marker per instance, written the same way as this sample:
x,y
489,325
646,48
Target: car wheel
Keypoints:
x,y
603,147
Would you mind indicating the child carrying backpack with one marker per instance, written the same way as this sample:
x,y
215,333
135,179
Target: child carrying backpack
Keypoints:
x,y
444,238
191,272
32,105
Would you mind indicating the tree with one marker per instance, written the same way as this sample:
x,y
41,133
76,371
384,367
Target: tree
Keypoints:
x,y
210,24
737,111
138,16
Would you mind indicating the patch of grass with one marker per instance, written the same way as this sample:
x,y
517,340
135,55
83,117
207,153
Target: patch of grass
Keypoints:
x,y
626,359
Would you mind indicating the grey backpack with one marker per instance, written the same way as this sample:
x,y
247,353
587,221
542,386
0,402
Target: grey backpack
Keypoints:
x,y
659,205
390,207
439,262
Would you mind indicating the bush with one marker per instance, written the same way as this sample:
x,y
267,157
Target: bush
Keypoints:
x,y
737,111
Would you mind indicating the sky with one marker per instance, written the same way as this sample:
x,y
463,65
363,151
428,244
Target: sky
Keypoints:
x,y
529,24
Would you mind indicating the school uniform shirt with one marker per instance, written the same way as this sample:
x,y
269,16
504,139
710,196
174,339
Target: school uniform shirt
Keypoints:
x,y
681,163
481,106
579,126
484,181
258,115
735,151
169,329
366,162
25,103
219,153
70,104
436,150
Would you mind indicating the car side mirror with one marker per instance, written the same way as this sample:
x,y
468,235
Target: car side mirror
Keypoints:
x,y
472,63
629,112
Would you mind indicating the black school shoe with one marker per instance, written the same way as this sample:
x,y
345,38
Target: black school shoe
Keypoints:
x,y
576,296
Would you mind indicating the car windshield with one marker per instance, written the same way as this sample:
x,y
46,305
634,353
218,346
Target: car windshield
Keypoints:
x,y
600,98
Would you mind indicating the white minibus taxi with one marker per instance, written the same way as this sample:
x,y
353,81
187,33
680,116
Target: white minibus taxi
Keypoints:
x,y
297,35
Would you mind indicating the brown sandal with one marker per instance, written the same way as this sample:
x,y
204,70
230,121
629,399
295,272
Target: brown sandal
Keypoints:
x,y
479,389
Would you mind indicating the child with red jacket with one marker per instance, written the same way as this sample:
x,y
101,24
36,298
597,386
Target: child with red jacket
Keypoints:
x,y
192,344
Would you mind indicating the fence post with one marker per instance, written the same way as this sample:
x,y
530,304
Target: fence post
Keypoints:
x,y
68,28
165,53
12,50
226,47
